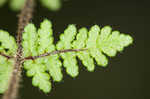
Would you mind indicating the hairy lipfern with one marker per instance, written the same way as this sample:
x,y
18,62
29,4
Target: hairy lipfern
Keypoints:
x,y
42,57
18,4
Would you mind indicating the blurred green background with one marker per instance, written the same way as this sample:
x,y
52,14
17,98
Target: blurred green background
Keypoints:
x,y
127,75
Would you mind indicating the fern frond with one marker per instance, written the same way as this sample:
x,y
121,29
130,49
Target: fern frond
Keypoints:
x,y
96,42
86,45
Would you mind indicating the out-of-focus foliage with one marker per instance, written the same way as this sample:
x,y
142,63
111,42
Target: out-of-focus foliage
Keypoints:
x,y
53,5
17,5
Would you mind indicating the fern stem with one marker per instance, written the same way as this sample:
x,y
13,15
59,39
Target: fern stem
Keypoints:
x,y
52,53
7,56
24,18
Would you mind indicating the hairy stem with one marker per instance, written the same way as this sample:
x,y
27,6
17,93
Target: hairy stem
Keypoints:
x,y
53,53
24,18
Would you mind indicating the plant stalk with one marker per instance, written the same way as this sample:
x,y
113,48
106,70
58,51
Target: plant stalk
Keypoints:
x,y
52,53
24,18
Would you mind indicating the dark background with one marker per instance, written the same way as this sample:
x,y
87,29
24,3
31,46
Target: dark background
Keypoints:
x,y
127,75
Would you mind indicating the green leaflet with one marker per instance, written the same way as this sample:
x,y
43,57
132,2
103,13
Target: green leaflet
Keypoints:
x,y
98,43
40,77
70,62
46,45
17,5
79,43
7,46
7,43
6,67
93,47
36,42
29,40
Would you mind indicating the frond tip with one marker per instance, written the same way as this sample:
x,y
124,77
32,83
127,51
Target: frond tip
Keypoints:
x,y
97,42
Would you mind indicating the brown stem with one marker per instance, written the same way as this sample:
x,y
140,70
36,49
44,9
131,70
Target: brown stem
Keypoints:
x,y
52,53
24,18
7,56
